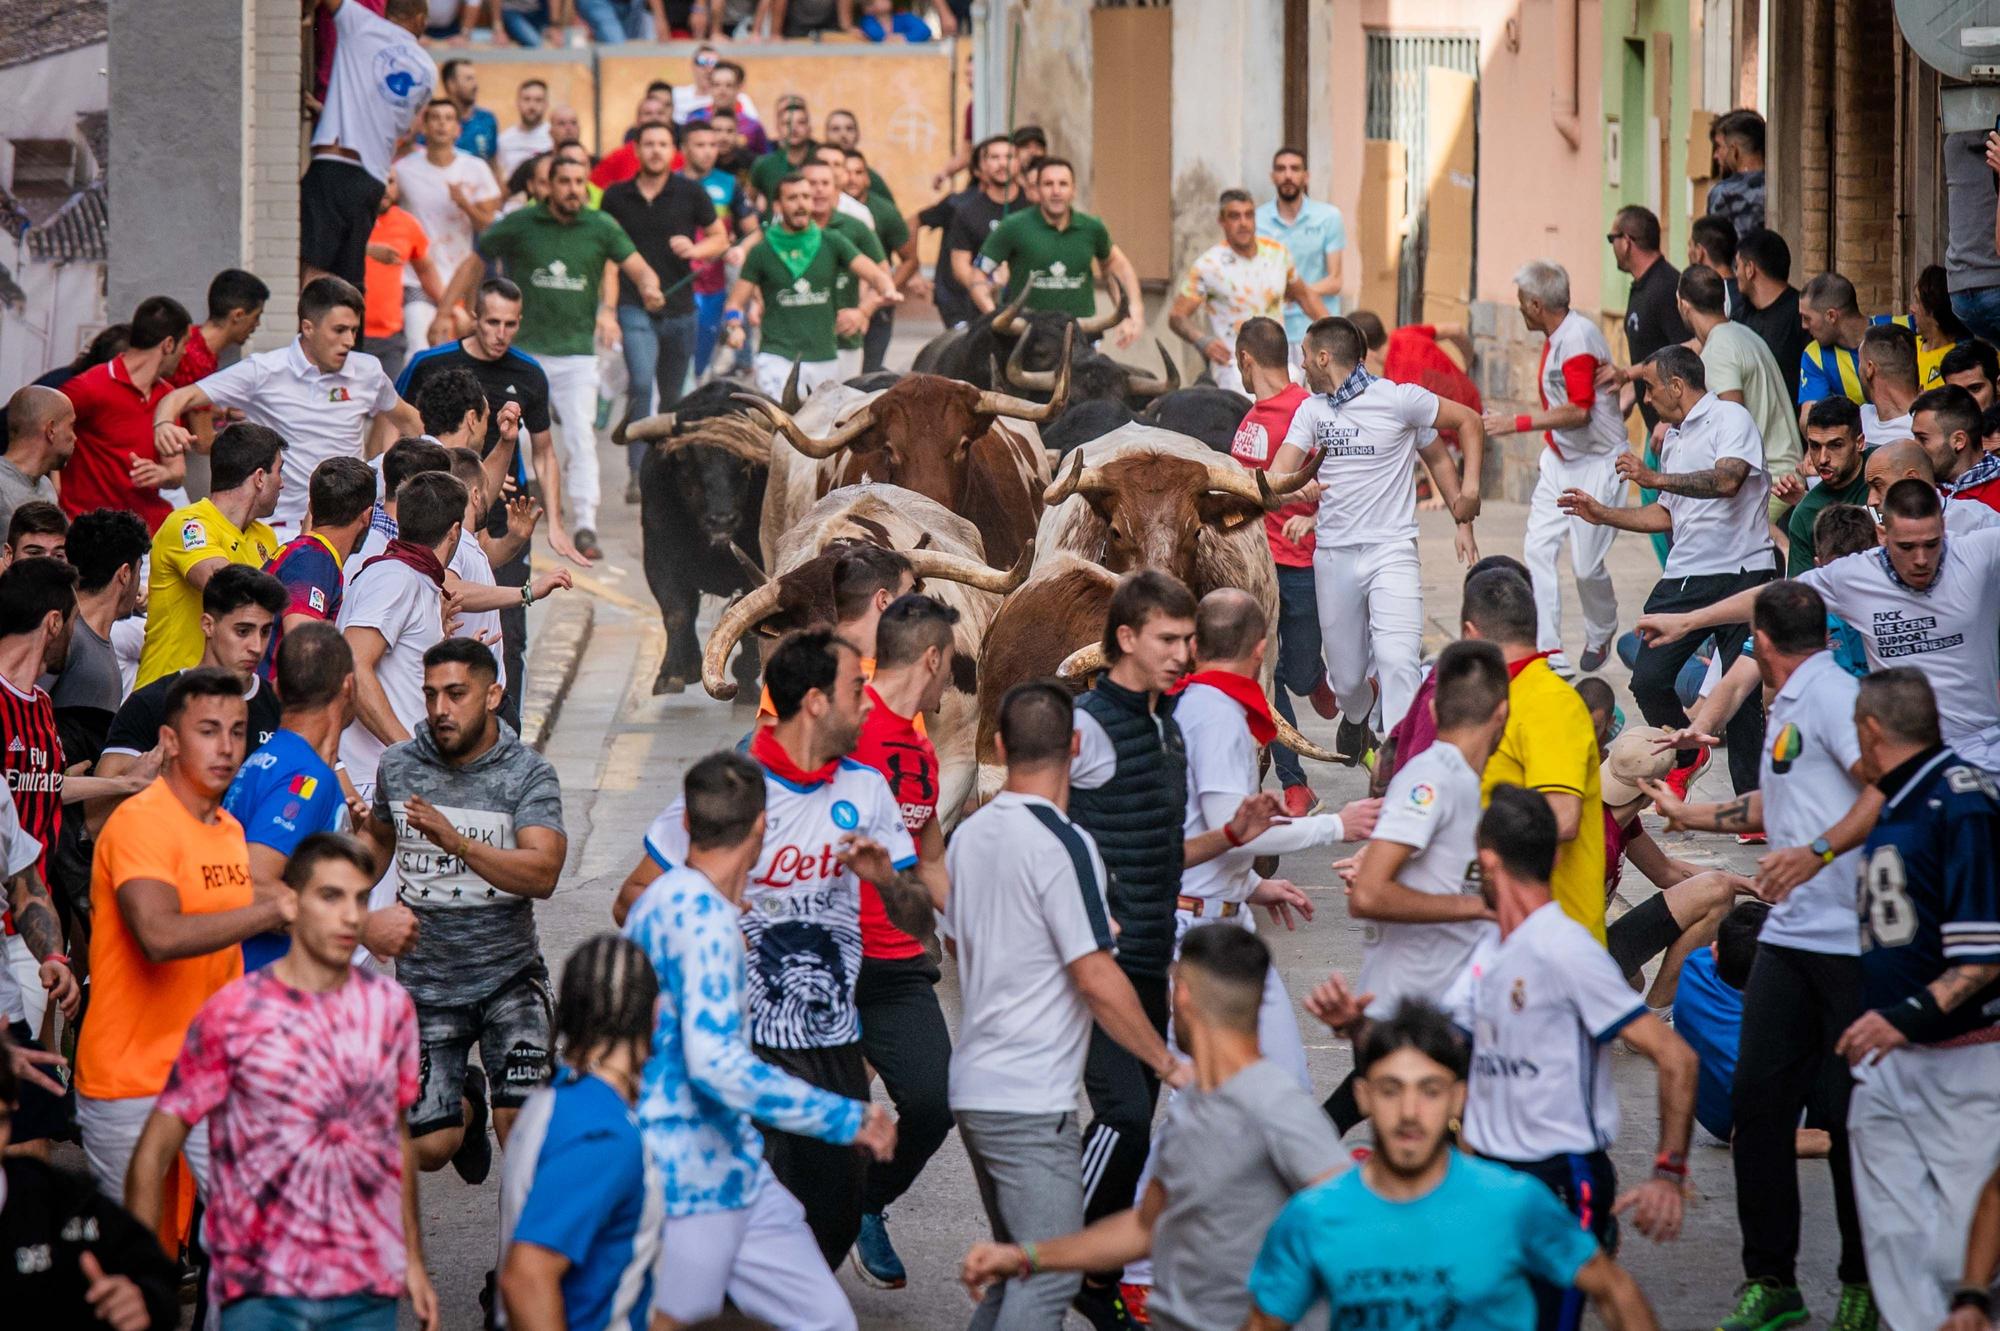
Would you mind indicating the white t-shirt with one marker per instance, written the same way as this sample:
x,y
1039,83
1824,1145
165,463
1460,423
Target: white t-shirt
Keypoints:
x,y
1965,516
1717,535
801,906
518,143
1369,471
427,197
319,415
18,852
470,563
381,79
1806,774
1545,1002
1027,899
1875,431
1604,433
403,606
1950,630
1432,805
854,208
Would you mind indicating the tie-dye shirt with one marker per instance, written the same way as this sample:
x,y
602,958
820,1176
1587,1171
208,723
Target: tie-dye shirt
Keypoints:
x,y
703,1086
307,1093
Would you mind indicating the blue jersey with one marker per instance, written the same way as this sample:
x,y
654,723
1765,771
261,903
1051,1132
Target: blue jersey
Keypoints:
x,y
1930,886
576,1181
283,793
1460,1256
1708,1014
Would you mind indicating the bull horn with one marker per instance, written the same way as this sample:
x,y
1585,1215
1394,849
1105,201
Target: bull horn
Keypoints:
x,y
751,568
1137,387
789,399
1021,377
1083,661
972,572
1099,323
1007,319
737,620
1289,736
1005,404
1275,488
805,443
1081,480
648,427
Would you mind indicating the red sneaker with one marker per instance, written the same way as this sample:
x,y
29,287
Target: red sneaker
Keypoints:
x,y
1323,701
1752,839
1135,1297
1681,778
1300,802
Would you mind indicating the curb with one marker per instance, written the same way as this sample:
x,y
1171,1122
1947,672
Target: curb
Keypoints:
x,y
552,658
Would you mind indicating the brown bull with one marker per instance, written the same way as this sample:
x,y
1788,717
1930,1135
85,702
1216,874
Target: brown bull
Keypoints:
x,y
944,439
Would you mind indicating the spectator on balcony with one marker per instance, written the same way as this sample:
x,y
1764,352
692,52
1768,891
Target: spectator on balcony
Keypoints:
x,y
883,21
1738,198
624,20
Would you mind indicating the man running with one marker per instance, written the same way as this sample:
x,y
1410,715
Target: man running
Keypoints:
x,y
1048,252
1368,434
1834,453
1246,276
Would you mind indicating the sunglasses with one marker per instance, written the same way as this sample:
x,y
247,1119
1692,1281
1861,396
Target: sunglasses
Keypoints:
x,y
706,61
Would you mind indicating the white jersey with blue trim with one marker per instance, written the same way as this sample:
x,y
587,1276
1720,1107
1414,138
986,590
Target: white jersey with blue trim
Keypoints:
x,y
801,906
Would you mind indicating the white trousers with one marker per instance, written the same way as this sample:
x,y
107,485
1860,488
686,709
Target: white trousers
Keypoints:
x,y
762,1257
27,974
1549,526
110,1131
573,397
847,364
772,371
1371,618
1924,1133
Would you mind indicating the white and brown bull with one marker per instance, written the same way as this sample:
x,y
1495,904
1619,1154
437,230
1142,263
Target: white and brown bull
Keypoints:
x,y
950,564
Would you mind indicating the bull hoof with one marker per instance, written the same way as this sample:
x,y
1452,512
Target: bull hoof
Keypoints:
x,y
668,683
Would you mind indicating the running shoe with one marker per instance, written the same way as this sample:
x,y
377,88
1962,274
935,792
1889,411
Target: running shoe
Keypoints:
x,y
1765,1305
1135,1302
1681,778
1856,1311
1353,742
1300,802
875,1259
1593,658
1323,701
1101,1306
474,1158
1752,839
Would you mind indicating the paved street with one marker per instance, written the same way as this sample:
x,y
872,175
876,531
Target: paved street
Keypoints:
x,y
621,753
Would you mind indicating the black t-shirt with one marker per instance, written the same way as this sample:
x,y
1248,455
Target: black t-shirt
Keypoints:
x,y
1778,324
966,218
1653,320
514,377
136,728
52,1217
681,208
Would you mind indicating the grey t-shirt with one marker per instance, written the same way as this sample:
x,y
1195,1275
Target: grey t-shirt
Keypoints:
x,y
17,488
1229,1159
90,676
1969,258
472,938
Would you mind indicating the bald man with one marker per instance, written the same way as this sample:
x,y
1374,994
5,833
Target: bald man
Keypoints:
x,y
1907,459
41,434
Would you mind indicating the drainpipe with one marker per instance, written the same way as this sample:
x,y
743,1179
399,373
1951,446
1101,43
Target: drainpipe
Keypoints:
x,y
1563,100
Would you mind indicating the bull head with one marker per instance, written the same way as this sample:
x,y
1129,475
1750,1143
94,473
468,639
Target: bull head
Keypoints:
x,y
1044,381
1088,660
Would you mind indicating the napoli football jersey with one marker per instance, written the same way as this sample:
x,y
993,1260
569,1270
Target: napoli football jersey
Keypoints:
x,y
801,907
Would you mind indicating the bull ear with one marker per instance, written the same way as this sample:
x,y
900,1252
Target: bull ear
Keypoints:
x,y
1226,512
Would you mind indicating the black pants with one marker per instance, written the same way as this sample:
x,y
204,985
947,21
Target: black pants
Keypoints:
x,y
1795,1007
513,640
904,1035
825,1177
875,342
1123,1092
1654,672
1586,1185
1342,1106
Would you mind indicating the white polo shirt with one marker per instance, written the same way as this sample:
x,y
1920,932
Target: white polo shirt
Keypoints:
x,y
1806,776
1545,1003
469,563
1432,805
381,78
1714,536
1950,630
1369,473
321,415
403,606
18,853
1027,900
1578,337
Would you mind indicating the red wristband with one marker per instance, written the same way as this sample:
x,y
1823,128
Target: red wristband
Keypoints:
x,y
1523,423
1229,835
1666,1162
56,956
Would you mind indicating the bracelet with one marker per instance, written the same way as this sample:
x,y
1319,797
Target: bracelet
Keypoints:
x,y
1229,835
1523,423
732,316
527,595
464,846
1972,1296
1670,1164
1028,1254
55,956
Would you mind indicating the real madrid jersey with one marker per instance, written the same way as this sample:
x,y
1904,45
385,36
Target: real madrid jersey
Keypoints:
x,y
801,906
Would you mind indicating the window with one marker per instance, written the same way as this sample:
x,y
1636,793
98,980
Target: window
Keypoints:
x,y
1397,110
45,167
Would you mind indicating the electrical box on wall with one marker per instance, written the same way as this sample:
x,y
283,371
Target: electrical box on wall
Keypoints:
x,y
1614,154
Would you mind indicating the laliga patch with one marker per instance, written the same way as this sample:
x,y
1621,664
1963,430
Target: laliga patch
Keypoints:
x,y
1422,796
845,816
317,600
193,535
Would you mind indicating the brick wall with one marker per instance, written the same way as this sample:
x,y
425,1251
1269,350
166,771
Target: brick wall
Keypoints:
x,y
1811,248
1865,183
273,59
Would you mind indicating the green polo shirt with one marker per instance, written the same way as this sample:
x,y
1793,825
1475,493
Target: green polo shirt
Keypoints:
x,y
878,188
798,311
767,171
890,228
559,266
1056,265
847,287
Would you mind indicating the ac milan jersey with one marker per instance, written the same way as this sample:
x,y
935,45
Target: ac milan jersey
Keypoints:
x,y
801,907
1930,886
33,762
892,745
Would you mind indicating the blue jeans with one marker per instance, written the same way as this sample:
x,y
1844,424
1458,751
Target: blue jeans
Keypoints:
x,y
525,27
708,328
658,349
1299,664
1979,310
356,1312
616,20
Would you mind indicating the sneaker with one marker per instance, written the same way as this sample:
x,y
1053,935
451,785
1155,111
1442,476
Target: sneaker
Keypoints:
x,y
1135,1297
1323,701
1752,839
1681,778
1765,1305
1353,742
1101,1306
474,1158
1593,658
586,544
1300,802
1856,1311
632,488
875,1259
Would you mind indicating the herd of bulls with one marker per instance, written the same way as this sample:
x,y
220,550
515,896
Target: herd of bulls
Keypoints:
x,y
1019,511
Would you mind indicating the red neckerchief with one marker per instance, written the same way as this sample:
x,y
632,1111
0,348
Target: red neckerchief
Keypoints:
x,y
419,557
1514,668
1245,693
765,749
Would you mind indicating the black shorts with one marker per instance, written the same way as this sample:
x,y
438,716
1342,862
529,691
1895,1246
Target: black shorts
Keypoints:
x,y
1586,1185
1642,933
513,1027
41,1116
337,202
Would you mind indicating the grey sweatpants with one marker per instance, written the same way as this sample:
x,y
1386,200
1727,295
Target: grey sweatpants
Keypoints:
x,y
1026,1167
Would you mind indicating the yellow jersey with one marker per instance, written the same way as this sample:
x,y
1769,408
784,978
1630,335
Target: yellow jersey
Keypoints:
x,y
190,536
1550,745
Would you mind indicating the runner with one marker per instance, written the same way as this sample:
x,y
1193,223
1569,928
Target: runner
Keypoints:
x,y
312,564
1246,276
1368,434
1834,453
733,1230
853,308
1048,252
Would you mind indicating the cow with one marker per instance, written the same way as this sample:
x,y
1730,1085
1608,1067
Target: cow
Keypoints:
x,y
1082,422
940,438
971,352
701,493
1094,376
1203,412
950,565
794,484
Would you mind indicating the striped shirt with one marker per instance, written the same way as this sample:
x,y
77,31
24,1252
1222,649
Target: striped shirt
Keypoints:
x,y
34,764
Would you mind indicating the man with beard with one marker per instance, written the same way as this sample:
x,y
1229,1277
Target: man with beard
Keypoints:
x,y
833,823
1833,453
1312,230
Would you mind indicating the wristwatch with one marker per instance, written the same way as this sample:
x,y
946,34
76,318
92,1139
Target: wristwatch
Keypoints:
x,y
1823,848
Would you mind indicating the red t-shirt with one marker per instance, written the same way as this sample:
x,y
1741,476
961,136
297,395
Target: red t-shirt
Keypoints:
x,y
893,746
1256,444
617,166
1413,356
197,362
114,428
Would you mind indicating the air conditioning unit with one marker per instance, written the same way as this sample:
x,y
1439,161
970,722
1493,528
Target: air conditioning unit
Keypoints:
x,y
1961,41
